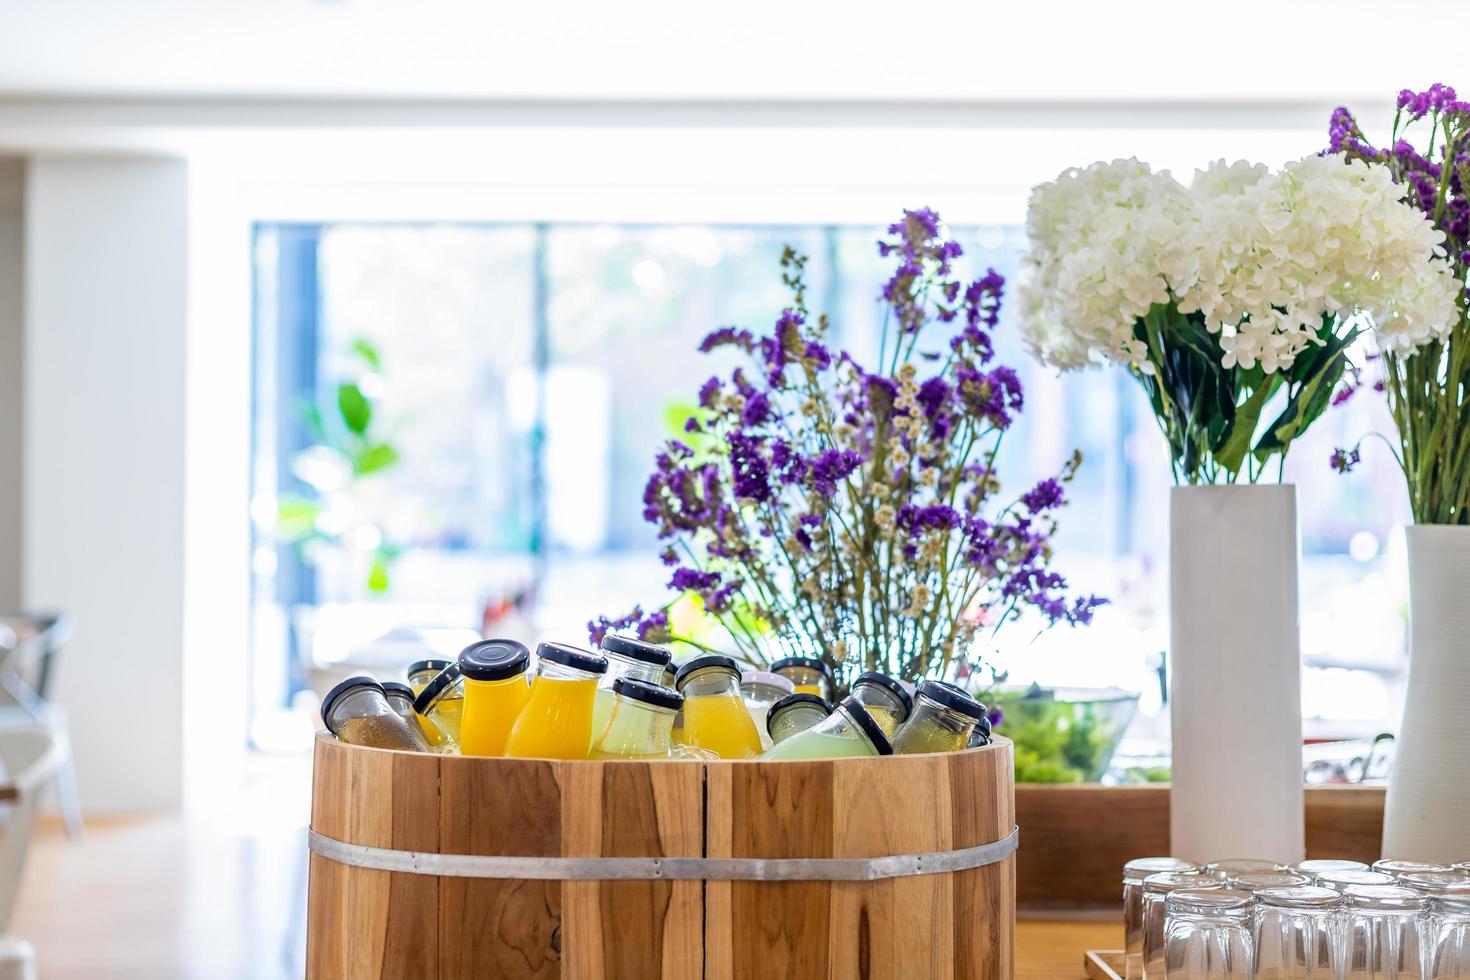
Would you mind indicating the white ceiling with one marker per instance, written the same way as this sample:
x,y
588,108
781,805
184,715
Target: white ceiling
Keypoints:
x,y
934,50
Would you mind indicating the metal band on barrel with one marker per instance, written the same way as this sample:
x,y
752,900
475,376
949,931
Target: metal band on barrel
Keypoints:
x,y
641,868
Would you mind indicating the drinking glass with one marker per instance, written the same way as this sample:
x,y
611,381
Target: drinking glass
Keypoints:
x,y
1208,934
1296,932
1241,866
1384,925
1396,868
1447,934
1133,874
1156,888
1318,866
1267,879
1341,881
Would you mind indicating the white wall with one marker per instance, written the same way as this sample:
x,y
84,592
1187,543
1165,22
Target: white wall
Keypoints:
x,y
11,233
106,312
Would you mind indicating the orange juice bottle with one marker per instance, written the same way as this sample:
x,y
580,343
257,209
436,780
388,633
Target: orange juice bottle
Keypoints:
x,y
495,691
808,674
440,707
556,722
715,716
629,657
420,672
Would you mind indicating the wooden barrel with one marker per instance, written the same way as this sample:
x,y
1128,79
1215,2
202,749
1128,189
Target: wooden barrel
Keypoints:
x,y
450,867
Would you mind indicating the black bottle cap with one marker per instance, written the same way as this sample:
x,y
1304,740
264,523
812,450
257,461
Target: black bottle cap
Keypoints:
x,y
699,663
952,697
811,662
399,688
574,657
859,713
493,660
888,684
441,683
421,665
339,691
648,693
636,649
790,699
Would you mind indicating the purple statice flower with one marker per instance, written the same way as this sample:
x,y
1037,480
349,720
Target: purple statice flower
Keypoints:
x,y
1343,460
992,395
693,580
749,470
692,425
709,393
831,466
718,601
1044,496
727,337
934,396
757,411
668,556
602,625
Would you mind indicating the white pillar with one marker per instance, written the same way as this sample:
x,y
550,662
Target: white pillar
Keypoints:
x,y
106,253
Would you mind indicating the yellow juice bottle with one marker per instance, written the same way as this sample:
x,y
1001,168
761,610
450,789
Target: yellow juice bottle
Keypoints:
x,y
440,706
943,718
556,722
627,656
885,698
420,672
715,716
807,674
495,691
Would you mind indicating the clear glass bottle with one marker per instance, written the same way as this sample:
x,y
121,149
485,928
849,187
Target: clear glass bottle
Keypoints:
x,y
1297,933
495,692
808,675
794,714
357,711
715,716
1207,934
556,722
627,656
943,718
886,700
440,706
671,678
849,731
761,689
420,672
980,737
1134,872
1156,888
400,696
1384,932
641,724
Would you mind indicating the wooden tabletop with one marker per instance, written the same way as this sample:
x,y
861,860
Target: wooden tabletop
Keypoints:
x,y
1052,950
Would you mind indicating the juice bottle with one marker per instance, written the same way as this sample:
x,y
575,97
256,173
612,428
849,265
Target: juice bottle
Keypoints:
x,y
357,711
400,699
794,714
495,691
420,672
440,706
641,723
848,731
943,718
671,674
556,722
626,657
808,674
761,690
715,716
885,699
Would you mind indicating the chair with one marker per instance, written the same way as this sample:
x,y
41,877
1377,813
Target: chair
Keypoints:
x,y
31,759
27,665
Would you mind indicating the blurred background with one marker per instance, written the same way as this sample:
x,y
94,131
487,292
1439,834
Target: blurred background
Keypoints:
x,y
334,333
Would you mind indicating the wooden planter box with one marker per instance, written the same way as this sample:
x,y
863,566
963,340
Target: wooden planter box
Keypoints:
x,y
423,919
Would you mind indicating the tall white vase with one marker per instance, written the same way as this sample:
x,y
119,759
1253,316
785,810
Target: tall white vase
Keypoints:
x,y
1428,811
1235,657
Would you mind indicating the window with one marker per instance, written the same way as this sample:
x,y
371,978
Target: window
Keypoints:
x,y
524,375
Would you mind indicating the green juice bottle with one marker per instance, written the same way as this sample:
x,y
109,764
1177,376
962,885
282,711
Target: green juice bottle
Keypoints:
x,y
641,723
849,731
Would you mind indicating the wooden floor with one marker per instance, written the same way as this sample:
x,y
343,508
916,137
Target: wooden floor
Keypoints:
x,y
223,896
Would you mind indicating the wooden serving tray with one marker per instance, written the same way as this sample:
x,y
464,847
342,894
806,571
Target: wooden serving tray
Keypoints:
x,y
1104,964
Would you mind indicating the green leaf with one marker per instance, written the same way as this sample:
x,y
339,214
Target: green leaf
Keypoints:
x,y
357,411
1314,376
1232,452
378,456
364,349
377,580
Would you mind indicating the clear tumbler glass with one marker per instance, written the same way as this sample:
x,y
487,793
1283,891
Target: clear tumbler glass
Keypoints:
x,y
1241,866
1267,879
1341,881
1447,934
1296,933
1156,888
1133,874
1318,866
1207,935
1384,925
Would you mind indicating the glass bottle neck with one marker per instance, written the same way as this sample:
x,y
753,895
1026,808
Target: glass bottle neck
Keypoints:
x,y
711,681
877,696
561,672
928,711
638,670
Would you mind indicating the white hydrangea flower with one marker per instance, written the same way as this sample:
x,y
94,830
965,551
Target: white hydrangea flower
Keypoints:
x,y
1262,256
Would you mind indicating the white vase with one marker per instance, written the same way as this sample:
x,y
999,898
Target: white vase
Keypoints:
x,y
1427,817
1235,658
